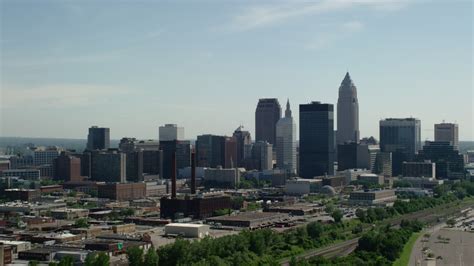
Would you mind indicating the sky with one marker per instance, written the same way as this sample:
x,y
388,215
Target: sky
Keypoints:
x,y
135,65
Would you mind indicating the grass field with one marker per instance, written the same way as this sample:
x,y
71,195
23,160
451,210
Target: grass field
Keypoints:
x,y
405,256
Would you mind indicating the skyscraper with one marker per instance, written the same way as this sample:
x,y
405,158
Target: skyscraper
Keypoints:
x,y
401,137
262,155
242,139
210,151
286,142
109,166
170,132
316,140
267,114
347,112
182,151
98,138
447,132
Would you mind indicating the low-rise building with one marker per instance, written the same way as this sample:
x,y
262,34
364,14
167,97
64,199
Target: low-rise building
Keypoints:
x,y
123,228
372,197
298,209
250,220
227,177
122,191
302,186
187,230
29,208
22,194
17,246
421,182
371,179
28,174
69,214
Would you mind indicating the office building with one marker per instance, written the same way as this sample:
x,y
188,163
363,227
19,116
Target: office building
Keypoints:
x,y
98,138
402,138
67,168
28,174
4,165
419,169
347,112
183,155
383,164
17,162
210,151
267,114
351,155
243,140
316,150
262,152
134,165
286,142
153,162
449,163
447,132
230,152
222,177
170,132
45,155
109,166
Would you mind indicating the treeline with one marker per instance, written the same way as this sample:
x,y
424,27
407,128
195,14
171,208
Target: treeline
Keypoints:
x,y
376,247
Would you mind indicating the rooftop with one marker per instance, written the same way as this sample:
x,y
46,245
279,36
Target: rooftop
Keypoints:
x,y
186,225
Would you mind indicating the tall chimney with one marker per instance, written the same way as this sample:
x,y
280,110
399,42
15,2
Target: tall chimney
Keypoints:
x,y
193,173
173,176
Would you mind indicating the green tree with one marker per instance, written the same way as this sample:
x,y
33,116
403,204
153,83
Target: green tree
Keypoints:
x,y
81,223
66,261
337,215
90,259
33,263
102,259
151,257
315,230
360,213
135,256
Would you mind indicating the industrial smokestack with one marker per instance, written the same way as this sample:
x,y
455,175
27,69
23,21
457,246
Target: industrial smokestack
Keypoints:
x,y
173,176
193,173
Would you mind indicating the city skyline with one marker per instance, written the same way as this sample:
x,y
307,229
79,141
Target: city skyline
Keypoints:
x,y
67,73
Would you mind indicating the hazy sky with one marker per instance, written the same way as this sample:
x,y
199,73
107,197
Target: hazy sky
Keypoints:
x,y
135,65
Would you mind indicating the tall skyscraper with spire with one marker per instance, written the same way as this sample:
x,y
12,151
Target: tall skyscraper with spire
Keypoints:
x,y
286,142
347,112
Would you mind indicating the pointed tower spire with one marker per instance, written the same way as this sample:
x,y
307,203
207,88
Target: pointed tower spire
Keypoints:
x,y
288,110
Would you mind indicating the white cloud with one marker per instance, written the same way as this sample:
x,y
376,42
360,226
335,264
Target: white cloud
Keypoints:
x,y
58,95
262,16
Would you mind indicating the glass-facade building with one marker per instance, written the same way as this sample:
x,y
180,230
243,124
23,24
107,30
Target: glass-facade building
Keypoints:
x,y
316,151
98,138
401,137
